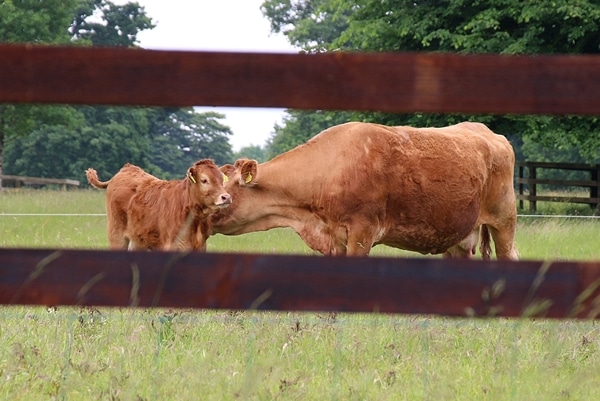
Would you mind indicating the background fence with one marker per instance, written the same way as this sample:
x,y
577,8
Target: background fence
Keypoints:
x,y
19,181
384,82
528,180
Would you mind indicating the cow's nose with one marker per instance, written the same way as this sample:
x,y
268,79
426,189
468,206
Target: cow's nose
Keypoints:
x,y
225,199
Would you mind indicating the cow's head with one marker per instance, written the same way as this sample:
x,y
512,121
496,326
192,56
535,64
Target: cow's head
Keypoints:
x,y
241,182
242,173
205,182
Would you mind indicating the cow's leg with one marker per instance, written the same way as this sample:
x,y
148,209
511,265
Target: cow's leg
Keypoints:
x,y
116,235
501,219
504,242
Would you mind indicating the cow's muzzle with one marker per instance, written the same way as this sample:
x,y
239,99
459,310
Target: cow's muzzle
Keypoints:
x,y
224,201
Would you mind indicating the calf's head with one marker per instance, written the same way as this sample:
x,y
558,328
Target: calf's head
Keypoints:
x,y
206,185
242,184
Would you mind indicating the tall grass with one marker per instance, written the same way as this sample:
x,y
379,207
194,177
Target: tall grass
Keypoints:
x,y
214,355
158,354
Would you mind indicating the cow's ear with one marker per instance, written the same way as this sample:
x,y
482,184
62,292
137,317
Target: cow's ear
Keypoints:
x,y
227,169
190,175
248,172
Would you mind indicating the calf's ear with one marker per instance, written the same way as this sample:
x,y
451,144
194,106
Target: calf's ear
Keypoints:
x,y
190,175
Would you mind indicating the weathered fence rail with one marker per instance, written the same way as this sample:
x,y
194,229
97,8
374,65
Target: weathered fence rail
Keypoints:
x,y
389,82
528,179
401,82
19,181
308,283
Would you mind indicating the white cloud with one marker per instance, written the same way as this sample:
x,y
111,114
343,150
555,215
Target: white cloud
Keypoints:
x,y
219,25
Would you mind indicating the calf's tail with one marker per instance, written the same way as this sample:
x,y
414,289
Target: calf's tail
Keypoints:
x,y
485,246
93,179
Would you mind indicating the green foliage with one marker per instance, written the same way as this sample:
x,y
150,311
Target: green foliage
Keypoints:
x,y
119,26
106,139
163,142
36,21
181,136
311,25
490,26
255,152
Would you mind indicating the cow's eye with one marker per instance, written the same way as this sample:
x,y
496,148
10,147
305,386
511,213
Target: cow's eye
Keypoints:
x,y
204,181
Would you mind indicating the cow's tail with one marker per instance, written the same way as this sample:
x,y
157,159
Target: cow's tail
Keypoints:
x,y
92,177
485,246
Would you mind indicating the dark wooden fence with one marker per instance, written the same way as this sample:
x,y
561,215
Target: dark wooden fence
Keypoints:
x,y
19,181
528,181
385,82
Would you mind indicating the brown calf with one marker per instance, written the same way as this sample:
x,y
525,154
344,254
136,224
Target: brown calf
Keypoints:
x,y
145,212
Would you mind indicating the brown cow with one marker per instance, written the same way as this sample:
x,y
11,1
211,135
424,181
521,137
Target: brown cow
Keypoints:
x,y
144,212
356,185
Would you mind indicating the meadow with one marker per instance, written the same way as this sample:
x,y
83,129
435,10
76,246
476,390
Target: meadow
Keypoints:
x,y
69,353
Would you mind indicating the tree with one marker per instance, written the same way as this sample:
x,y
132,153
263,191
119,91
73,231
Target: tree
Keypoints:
x,y
35,21
492,26
311,25
256,152
119,25
180,137
104,138
164,142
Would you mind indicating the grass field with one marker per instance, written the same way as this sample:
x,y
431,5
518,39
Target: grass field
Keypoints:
x,y
158,354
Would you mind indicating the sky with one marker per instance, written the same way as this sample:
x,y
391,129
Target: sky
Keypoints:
x,y
219,25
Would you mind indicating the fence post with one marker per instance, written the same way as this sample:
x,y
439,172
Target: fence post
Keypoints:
x,y
521,186
594,176
532,189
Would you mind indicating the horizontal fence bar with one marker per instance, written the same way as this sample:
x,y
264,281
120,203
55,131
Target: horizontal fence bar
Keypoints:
x,y
560,166
551,181
308,283
563,199
388,82
39,180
